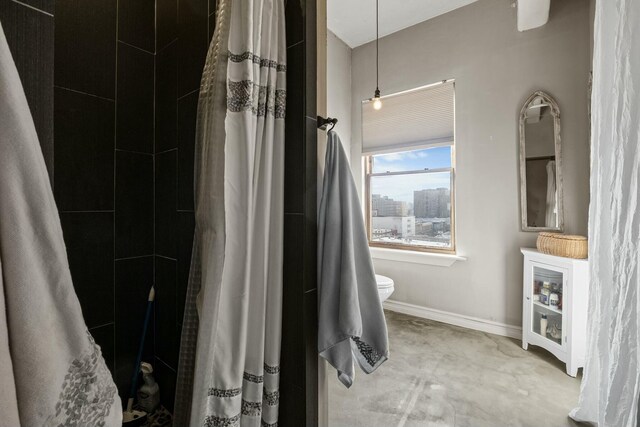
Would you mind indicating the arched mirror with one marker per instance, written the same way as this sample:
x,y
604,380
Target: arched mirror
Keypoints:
x,y
541,164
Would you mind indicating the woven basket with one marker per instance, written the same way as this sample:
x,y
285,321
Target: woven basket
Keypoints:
x,y
563,245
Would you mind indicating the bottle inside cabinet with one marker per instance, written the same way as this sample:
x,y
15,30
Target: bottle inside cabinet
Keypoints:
x,y
547,304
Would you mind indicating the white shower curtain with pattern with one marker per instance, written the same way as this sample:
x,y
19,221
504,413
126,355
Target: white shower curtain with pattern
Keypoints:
x,y
230,350
611,384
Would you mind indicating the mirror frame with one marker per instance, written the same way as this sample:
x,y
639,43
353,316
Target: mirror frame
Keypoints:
x,y
555,111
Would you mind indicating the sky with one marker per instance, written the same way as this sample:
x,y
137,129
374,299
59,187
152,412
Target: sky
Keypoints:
x,y
401,187
438,157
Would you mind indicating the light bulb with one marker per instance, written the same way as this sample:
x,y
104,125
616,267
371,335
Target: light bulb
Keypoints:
x,y
377,103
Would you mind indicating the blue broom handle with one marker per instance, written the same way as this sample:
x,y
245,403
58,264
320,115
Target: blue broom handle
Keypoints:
x,y
147,317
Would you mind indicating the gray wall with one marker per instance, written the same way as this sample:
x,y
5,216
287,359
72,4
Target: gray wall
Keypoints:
x,y
339,87
495,68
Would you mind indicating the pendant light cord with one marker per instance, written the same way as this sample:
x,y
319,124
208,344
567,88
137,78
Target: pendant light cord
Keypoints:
x,y
377,55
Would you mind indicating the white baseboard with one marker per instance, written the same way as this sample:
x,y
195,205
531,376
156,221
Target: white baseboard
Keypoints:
x,y
469,322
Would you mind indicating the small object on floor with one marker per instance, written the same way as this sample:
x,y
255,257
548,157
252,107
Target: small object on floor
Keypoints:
x,y
160,418
133,417
149,392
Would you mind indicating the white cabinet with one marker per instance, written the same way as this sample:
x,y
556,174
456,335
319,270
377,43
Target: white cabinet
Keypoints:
x,y
554,306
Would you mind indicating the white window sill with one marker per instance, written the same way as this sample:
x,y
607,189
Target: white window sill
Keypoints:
x,y
415,257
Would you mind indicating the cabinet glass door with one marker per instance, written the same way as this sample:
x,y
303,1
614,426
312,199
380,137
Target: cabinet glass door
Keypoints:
x,y
546,303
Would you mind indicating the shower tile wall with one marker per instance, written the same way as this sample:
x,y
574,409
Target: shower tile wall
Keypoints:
x,y
104,166
299,362
122,165
183,28
28,27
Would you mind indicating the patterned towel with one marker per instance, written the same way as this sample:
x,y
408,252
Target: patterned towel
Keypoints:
x,y
51,371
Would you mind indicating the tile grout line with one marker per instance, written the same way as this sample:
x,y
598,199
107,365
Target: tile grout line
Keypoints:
x,y
115,161
155,100
167,151
187,94
101,326
89,211
135,47
33,8
165,363
122,150
153,183
134,257
163,48
85,93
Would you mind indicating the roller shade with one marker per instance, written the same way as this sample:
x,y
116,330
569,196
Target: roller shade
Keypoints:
x,y
419,118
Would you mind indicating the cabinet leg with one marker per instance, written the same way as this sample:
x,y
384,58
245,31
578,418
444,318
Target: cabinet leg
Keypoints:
x,y
525,344
572,369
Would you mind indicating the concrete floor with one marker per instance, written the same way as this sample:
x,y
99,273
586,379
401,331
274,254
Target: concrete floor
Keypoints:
x,y
442,375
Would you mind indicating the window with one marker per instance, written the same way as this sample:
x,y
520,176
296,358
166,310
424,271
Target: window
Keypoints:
x,y
409,153
411,199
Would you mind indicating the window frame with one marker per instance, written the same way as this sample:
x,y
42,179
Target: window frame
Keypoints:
x,y
368,172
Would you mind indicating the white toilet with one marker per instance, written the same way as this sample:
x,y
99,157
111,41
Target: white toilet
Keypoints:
x,y
385,287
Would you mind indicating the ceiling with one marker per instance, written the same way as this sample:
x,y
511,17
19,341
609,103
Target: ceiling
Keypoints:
x,y
354,21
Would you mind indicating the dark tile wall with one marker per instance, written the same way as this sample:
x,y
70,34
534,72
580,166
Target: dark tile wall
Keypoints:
x,y
299,375
125,85
182,37
103,158
28,27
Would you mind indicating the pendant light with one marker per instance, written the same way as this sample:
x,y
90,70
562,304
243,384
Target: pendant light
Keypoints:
x,y
377,102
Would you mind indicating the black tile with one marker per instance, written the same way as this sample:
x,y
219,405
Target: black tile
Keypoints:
x,y
122,378
134,126
187,111
136,23
166,99
166,204
166,22
310,321
293,253
186,227
104,337
311,60
292,355
294,19
166,378
212,26
291,412
88,237
134,278
85,46
192,43
41,5
213,6
134,204
310,205
294,183
84,155
30,37
166,336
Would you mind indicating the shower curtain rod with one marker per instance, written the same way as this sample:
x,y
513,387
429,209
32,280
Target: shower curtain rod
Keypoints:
x,y
324,122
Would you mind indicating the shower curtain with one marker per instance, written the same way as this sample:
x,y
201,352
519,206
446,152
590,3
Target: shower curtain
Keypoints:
x,y
230,350
610,387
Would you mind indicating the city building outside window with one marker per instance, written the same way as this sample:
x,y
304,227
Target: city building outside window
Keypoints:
x,y
410,199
